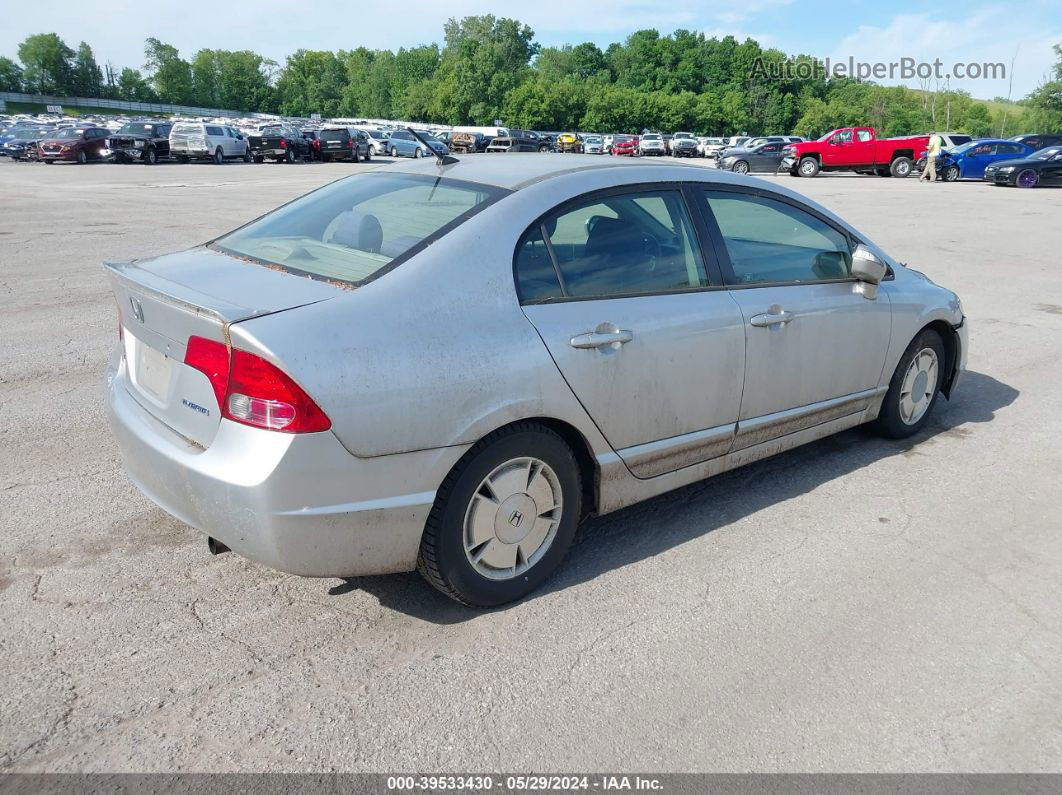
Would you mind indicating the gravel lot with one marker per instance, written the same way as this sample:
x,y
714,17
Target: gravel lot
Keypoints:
x,y
854,605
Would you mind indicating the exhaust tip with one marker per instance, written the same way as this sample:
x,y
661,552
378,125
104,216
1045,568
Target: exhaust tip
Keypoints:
x,y
216,547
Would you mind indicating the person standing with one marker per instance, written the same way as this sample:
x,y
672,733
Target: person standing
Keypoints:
x,y
930,171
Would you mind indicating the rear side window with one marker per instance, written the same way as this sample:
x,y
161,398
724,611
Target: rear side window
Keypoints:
x,y
214,131
353,229
627,244
770,241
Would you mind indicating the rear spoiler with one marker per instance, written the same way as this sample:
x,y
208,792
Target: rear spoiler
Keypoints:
x,y
129,274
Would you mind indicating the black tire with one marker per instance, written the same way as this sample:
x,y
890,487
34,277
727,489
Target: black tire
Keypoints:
x,y
368,153
808,167
247,156
883,172
901,167
219,157
259,159
1033,180
442,560
394,151
740,167
354,156
151,157
889,422
951,174
82,158
417,154
289,155
183,159
48,161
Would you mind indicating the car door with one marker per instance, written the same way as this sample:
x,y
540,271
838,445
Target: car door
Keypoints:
x,y
766,157
617,287
835,153
815,347
976,159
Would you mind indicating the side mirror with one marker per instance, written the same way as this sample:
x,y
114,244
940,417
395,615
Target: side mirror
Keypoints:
x,y
868,270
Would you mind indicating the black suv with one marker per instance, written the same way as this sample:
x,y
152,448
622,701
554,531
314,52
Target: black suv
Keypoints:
x,y
147,141
1037,141
342,143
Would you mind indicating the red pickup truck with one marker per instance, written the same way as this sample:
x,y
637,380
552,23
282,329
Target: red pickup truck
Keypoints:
x,y
854,149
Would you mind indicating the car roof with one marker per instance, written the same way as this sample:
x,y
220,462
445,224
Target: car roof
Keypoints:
x,y
517,170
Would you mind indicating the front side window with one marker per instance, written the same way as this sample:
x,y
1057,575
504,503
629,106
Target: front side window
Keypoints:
x,y
349,230
771,241
626,244
843,137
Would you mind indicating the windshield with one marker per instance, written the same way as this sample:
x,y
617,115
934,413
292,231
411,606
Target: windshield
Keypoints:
x,y
1047,154
353,229
592,139
70,132
138,128
651,137
827,136
683,135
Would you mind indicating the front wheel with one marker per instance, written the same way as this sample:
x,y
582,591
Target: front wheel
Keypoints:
x,y
741,167
1027,179
914,387
951,174
503,518
394,152
82,158
901,167
247,156
809,167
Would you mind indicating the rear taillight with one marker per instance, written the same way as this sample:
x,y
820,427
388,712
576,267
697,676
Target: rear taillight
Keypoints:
x,y
255,392
350,143
283,143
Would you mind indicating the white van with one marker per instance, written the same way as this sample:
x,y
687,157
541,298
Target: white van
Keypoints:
x,y
197,140
488,132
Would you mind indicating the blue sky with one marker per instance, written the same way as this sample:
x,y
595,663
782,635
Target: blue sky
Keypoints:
x,y
883,31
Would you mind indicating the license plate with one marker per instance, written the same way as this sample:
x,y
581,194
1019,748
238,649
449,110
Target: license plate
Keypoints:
x,y
152,371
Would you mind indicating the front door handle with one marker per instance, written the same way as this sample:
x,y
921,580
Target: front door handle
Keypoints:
x,y
775,316
601,339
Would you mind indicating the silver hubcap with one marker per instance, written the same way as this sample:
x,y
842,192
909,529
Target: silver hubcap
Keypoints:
x,y
513,518
807,167
919,386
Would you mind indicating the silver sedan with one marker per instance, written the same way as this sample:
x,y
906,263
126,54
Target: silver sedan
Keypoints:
x,y
448,366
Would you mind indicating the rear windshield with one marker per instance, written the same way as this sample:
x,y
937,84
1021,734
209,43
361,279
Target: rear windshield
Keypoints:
x,y
354,229
187,128
334,135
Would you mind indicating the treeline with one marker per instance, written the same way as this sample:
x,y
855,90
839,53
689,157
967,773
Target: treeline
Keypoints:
x,y
491,68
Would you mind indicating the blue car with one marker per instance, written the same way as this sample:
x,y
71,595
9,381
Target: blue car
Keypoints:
x,y
968,161
403,144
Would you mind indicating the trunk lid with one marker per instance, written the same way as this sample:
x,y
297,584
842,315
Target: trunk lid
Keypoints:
x,y
164,301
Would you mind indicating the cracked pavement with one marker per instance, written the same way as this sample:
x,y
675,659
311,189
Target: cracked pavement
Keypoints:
x,y
853,605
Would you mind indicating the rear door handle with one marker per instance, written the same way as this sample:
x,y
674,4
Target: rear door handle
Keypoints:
x,y
601,339
775,317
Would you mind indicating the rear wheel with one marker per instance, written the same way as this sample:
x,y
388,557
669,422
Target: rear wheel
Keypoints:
x,y
151,157
504,517
289,155
219,156
1027,179
901,167
354,154
368,154
914,387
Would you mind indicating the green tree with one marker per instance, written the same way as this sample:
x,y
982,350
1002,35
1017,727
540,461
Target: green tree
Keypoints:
x,y
47,64
10,75
87,77
170,76
132,87
311,81
1045,103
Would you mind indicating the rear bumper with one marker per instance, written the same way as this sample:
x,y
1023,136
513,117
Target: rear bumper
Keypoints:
x,y
299,503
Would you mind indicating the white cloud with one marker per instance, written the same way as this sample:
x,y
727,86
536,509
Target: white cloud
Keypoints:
x,y
990,34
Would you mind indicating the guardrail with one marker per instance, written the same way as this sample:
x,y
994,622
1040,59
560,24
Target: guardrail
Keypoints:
x,y
118,104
